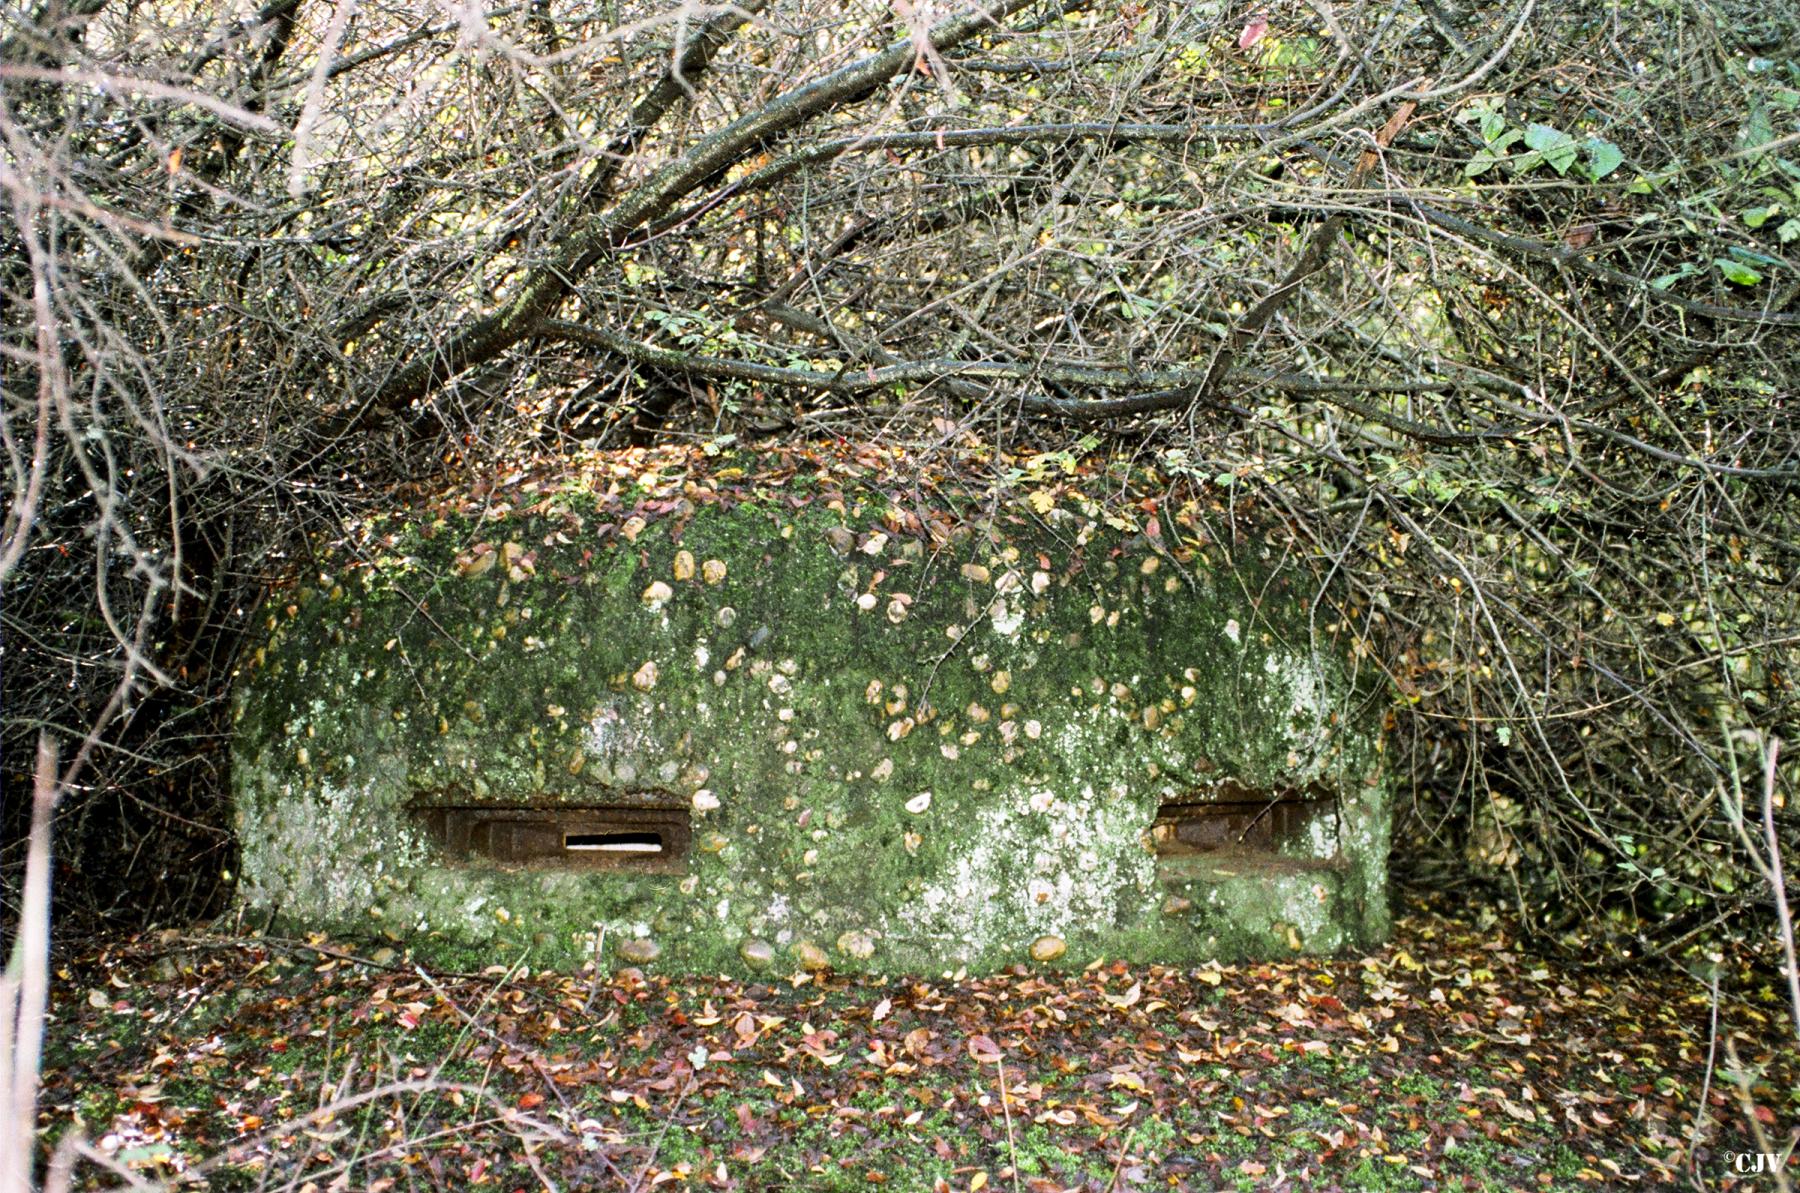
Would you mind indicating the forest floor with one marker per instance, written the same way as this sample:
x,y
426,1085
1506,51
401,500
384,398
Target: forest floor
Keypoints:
x,y
1451,1059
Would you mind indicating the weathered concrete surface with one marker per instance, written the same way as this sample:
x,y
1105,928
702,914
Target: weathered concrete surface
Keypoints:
x,y
898,754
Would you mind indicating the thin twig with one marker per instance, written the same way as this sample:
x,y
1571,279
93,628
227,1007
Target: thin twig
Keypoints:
x,y
1700,1111
668,1121
1124,1151
1012,1153
594,979
1778,881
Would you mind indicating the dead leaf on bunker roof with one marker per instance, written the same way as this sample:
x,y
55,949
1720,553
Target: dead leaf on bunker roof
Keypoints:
x,y
476,560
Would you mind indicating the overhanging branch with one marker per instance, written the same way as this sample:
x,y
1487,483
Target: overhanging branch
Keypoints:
x,y
540,292
1537,250
1166,388
962,138
695,59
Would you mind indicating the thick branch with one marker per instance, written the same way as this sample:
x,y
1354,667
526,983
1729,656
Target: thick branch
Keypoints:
x,y
1312,259
1522,246
954,138
676,83
1172,387
873,230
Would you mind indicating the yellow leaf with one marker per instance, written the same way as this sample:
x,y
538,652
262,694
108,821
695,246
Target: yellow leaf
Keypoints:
x,y
1041,500
1127,999
978,1181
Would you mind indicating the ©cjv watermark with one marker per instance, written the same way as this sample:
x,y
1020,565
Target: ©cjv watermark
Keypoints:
x,y
1749,1162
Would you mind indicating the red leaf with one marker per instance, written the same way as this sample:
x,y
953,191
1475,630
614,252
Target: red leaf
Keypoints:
x,y
1253,32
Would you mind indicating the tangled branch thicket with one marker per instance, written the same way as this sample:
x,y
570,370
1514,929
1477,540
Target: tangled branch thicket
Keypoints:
x,y
1488,313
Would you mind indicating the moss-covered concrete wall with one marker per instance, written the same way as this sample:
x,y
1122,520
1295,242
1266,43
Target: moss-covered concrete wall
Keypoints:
x,y
900,752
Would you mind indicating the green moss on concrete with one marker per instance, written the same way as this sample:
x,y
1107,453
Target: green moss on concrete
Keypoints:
x,y
907,754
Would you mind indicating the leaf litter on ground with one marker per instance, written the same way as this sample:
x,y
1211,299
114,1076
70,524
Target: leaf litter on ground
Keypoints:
x,y
1452,1059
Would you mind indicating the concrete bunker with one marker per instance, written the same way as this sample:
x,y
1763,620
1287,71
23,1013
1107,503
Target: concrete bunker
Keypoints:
x,y
749,736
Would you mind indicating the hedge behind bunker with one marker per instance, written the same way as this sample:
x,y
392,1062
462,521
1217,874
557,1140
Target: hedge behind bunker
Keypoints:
x,y
751,736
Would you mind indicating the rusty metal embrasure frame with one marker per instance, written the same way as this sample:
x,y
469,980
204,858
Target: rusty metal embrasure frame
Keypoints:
x,y
1232,818
653,840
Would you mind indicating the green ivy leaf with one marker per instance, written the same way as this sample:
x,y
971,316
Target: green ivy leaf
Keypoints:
x,y
1758,130
1737,271
1751,257
1669,279
1603,157
1557,147
1480,164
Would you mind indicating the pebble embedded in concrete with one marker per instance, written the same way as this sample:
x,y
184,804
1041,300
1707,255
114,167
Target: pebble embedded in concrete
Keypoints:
x,y
640,950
